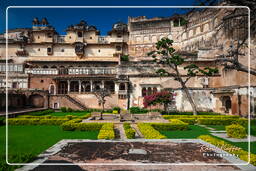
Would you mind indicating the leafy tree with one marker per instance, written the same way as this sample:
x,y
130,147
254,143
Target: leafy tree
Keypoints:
x,y
101,95
163,97
166,56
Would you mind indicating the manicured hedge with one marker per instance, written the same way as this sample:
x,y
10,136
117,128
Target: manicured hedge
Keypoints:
x,y
188,113
174,125
199,116
107,131
222,121
242,154
76,124
190,121
236,131
32,121
39,113
129,131
149,132
137,110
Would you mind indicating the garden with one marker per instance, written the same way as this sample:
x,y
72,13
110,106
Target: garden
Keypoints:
x,y
33,133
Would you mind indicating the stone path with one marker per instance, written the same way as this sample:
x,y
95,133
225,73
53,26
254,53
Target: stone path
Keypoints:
x,y
225,136
138,134
121,131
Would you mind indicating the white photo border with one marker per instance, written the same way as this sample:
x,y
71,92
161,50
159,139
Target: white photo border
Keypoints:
x,y
137,7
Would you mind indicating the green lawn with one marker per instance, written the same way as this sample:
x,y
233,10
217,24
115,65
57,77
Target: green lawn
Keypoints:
x,y
37,138
68,113
193,132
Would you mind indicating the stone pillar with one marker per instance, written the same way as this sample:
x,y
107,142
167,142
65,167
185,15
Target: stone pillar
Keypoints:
x,y
91,86
79,86
68,86
116,88
102,84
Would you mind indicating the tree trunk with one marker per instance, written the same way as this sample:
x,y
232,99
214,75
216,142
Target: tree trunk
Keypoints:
x,y
101,114
185,89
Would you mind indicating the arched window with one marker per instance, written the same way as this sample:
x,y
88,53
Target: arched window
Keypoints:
x,y
52,89
149,91
144,92
154,90
53,66
79,34
45,66
121,86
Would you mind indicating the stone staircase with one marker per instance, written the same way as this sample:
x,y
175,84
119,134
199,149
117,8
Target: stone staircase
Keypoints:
x,y
75,102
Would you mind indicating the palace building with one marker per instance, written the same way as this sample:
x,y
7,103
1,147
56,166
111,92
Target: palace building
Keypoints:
x,y
46,69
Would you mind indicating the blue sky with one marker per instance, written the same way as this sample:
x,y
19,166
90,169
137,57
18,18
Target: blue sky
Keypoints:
x,y
101,18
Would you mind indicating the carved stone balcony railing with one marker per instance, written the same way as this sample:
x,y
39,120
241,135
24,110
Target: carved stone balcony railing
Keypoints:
x,y
123,92
42,71
116,40
92,70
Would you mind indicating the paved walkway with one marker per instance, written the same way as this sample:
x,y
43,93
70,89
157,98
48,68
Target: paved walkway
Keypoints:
x,y
18,112
225,136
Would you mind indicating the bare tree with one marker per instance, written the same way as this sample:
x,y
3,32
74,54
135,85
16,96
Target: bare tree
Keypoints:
x,y
101,95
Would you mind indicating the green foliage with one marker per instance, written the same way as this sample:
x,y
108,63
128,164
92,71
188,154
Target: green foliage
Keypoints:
x,y
221,121
137,110
63,109
129,131
149,132
69,110
243,155
37,121
2,119
236,131
39,113
125,58
117,108
190,121
200,116
174,124
107,131
188,113
115,112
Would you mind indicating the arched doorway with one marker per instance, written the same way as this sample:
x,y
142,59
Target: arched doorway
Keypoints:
x,y
226,103
110,85
63,87
85,86
74,86
36,100
52,89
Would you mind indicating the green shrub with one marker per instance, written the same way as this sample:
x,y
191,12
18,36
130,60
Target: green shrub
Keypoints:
x,y
2,119
37,121
115,112
137,110
88,126
117,108
149,132
188,113
69,110
107,131
125,58
236,131
174,124
70,125
190,121
242,154
129,131
39,113
85,116
221,121
63,109
199,116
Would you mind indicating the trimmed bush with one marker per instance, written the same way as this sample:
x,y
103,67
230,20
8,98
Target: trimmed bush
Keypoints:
x,y
115,112
236,131
63,109
190,121
199,116
242,154
69,110
129,131
70,125
149,132
36,121
221,121
174,124
39,113
2,119
107,131
188,113
137,110
117,108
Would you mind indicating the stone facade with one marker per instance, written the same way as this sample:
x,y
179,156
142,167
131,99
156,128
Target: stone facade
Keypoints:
x,y
70,67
